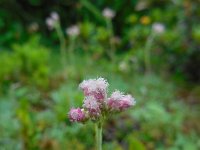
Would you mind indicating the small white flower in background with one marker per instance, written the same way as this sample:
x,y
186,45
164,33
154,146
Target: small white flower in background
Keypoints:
x,y
50,23
52,20
73,30
54,15
158,27
123,66
108,13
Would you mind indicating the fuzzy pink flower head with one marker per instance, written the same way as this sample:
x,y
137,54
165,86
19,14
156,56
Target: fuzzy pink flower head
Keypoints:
x,y
76,115
95,87
92,106
119,102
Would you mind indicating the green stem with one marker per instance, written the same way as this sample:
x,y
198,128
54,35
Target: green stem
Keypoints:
x,y
147,53
98,127
111,35
62,44
92,8
71,49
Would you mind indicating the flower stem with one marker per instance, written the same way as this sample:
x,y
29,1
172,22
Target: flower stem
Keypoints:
x,y
112,50
98,127
147,53
62,44
71,49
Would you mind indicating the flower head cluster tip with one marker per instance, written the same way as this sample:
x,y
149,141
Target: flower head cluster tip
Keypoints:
x,y
95,87
96,104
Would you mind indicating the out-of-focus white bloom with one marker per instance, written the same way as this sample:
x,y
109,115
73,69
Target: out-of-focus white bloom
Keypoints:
x,y
118,101
95,87
54,15
158,27
92,105
50,23
123,66
108,13
73,30
52,20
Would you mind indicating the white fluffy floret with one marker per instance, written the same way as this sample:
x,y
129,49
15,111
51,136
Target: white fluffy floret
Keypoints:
x,y
91,103
95,87
94,84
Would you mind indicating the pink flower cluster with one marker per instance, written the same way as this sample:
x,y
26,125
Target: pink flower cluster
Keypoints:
x,y
96,104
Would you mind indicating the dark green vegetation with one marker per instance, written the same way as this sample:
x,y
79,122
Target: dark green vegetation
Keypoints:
x,y
36,92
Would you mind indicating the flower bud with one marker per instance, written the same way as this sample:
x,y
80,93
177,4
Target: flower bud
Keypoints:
x,y
77,115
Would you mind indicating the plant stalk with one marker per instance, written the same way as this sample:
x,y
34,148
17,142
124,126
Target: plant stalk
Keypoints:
x,y
98,127
62,44
147,53
111,52
71,49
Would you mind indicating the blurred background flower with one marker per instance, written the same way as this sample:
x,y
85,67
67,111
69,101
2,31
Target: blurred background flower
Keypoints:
x,y
73,30
158,27
108,13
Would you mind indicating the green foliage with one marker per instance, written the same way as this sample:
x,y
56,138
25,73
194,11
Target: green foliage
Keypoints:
x,y
9,65
30,55
135,144
27,64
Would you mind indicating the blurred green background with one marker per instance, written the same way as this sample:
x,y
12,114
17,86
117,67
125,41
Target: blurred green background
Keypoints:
x,y
150,49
